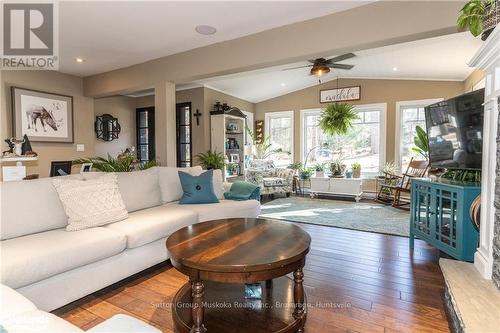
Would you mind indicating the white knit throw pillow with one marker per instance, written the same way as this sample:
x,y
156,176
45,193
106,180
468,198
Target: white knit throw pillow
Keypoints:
x,y
90,203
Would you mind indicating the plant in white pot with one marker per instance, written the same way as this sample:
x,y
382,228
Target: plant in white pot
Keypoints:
x,y
320,170
356,170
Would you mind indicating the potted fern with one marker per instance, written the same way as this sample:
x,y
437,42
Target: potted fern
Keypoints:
x,y
320,170
480,17
337,118
211,160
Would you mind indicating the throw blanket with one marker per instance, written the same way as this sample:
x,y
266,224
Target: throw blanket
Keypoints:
x,y
243,191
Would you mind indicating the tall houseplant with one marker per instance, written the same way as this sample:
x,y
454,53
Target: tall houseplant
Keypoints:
x,y
479,16
264,149
421,142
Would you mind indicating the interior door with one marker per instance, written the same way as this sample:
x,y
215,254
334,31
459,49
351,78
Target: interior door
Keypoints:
x,y
184,137
145,129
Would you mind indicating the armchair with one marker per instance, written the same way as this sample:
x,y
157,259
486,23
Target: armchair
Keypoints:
x,y
270,179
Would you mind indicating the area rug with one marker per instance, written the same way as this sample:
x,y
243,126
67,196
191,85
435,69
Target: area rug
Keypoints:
x,y
373,217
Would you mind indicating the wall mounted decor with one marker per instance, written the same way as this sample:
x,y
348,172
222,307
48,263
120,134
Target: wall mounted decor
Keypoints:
x,y
259,131
107,127
340,94
42,116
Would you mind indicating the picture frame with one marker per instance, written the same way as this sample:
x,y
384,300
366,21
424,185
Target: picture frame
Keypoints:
x,y
234,158
42,116
86,167
60,168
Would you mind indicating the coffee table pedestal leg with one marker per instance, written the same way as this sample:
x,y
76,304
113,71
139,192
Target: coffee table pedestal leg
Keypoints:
x,y
197,291
298,296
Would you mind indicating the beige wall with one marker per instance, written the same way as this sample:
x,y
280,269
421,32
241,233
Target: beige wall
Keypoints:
x,y
473,79
123,108
372,91
83,115
203,99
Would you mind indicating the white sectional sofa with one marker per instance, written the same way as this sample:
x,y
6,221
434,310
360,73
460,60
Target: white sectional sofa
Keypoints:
x,y
53,267
20,315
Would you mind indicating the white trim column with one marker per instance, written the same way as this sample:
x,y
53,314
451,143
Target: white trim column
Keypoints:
x,y
488,59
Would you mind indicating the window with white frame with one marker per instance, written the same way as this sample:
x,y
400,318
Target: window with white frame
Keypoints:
x,y
364,143
410,114
279,128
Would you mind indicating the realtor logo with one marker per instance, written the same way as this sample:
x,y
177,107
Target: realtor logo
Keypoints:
x,y
29,38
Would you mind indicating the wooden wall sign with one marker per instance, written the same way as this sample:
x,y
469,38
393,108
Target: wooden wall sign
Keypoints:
x,y
340,94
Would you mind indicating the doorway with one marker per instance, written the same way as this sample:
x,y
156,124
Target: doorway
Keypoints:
x,y
183,125
145,129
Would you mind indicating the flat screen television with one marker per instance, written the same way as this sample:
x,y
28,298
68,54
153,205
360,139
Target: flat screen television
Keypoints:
x,y
455,131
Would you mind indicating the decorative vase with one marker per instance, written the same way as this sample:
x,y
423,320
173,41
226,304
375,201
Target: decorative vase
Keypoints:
x,y
320,174
356,173
348,174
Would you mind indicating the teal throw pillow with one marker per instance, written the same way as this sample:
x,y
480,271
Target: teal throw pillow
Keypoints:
x,y
197,189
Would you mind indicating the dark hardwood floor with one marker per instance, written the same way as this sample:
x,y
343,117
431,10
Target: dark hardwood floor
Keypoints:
x,y
355,282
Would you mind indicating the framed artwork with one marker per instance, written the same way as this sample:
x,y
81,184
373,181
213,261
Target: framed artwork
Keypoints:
x,y
43,117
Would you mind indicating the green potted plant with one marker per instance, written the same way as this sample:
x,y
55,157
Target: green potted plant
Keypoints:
x,y
421,143
124,162
480,17
211,160
356,170
337,168
305,173
296,166
320,170
264,149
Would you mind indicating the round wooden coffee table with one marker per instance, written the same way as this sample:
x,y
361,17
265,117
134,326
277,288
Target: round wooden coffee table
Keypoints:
x,y
220,257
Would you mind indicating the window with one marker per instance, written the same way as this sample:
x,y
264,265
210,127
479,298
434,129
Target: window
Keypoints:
x,y
183,119
364,142
410,114
145,129
279,128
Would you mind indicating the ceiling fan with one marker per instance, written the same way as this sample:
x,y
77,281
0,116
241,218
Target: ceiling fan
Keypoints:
x,y
321,66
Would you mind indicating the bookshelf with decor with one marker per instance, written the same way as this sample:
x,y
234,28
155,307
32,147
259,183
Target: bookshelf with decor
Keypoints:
x,y
227,133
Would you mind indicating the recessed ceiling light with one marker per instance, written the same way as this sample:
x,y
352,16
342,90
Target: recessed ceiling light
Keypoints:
x,y
80,60
394,69
205,29
282,84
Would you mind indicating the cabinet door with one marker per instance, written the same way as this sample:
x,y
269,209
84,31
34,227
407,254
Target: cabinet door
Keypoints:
x,y
422,213
446,217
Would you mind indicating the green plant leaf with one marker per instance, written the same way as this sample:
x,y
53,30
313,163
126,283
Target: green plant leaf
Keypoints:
x,y
337,118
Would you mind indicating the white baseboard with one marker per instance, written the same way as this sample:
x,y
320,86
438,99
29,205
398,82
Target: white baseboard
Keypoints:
x,y
483,265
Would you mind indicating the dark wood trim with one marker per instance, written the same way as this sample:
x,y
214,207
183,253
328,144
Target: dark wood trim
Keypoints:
x,y
151,131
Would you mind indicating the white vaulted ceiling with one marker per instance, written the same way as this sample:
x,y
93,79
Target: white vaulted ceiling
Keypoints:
x,y
440,58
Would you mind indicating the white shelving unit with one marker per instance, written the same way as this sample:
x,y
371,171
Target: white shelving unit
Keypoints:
x,y
227,132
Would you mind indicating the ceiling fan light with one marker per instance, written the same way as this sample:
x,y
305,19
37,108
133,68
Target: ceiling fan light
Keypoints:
x,y
320,70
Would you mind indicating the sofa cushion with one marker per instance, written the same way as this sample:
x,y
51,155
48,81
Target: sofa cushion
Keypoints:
x,y
13,303
32,258
140,189
148,225
223,210
218,181
38,321
170,184
198,189
29,207
90,203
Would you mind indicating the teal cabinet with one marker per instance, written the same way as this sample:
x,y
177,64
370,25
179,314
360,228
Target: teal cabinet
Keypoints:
x,y
440,216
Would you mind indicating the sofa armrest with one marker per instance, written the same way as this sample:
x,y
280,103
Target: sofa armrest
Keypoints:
x,y
255,177
286,174
121,323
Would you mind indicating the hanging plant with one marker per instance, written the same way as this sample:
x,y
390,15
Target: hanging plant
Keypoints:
x,y
337,118
479,16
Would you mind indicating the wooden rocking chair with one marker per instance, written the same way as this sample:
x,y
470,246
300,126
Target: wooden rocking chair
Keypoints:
x,y
416,169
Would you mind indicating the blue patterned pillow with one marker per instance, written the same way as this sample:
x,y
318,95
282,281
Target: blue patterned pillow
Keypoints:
x,y
197,189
